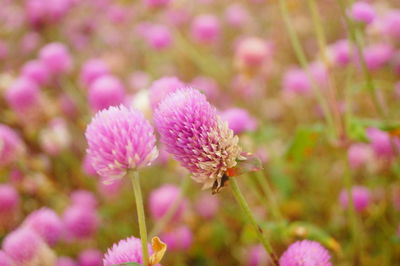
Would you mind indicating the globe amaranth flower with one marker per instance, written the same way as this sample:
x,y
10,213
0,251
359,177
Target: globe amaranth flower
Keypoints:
x,y
192,131
361,198
305,253
90,257
178,239
120,139
5,260
9,205
47,224
126,250
80,221
11,146
160,89
25,247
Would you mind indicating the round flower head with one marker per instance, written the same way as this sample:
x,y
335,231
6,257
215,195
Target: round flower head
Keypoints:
x,y
106,91
23,96
205,29
37,71
206,85
341,52
207,206
178,239
239,120
159,37
296,81
157,3
359,154
363,12
305,253
377,55
391,23
257,256
191,131
66,261
119,140
90,257
252,52
361,198
46,223
160,88
25,247
163,198
9,199
5,260
84,198
92,70
11,146
381,142
80,221
56,57
237,15
126,250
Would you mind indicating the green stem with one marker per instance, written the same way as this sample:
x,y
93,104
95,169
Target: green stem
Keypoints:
x,y
250,217
273,204
301,57
356,38
160,225
134,176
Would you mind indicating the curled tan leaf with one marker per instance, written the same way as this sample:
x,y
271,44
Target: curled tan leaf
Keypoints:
x,y
159,249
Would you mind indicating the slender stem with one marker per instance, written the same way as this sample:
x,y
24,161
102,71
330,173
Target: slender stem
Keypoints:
x,y
250,217
356,38
273,204
301,57
134,176
160,225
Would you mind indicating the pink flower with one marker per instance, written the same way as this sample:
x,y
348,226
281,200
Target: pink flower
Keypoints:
x,y
11,146
5,260
207,206
66,261
191,131
252,52
377,55
80,221
305,253
359,154
120,140
106,91
163,198
92,70
178,239
205,29
23,96
90,257
239,120
160,89
157,3
37,71
363,12
296,81
257,256
56,57
361,198
84,198
391,23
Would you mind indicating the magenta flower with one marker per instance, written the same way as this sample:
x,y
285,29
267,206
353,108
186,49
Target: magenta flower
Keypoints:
x,y
92,70
37,71
56,57
256,256
23,96
178,239
25,247
11,146
362,12
305,253
205,29
163,198
84,198
207,206
296,81
361,198
120,140
106,91
80,221
126,250
359,154
191,131
90,257
252,52
5,260
66,261
46,223
239,120
160,89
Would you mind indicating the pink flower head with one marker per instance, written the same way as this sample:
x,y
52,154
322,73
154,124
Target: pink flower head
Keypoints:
x,y
163,198
361,198
9,199
341,52
80,221
206,85
23,96
319,73
92,70
359,154
56,57
66,261
90,257
46,223
363,12
160,88
305,253
11,146
381,142
257,256
157,3
159,37
5,260
37,71
237,15
296,81
252,52
25,247
207,206
391,23
119,140
192,131
239,120
377,55
205,29
84,198
178,239
106,91
126,250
